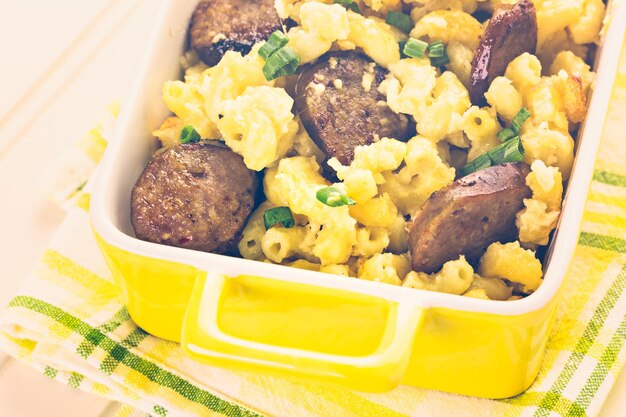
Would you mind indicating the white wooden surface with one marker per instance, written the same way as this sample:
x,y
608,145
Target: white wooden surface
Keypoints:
x,y
62,63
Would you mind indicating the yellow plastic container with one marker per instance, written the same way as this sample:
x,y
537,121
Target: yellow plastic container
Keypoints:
x,y
317,327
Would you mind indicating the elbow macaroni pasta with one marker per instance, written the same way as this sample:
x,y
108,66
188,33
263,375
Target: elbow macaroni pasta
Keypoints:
x,y
574,65
449,26
553,147
461,57
444,116
375,212
383,6
377,39
184,100
524,71
297,180
542,212
385,267
390,180
266,133
321,25
504,98
279,244
512,262
481,127
587,27
489,288
169,132
423,7
454,278
250,245
410,85
370,241
423,174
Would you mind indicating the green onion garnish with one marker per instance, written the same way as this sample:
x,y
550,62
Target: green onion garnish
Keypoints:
x,y
436,49
519,119
414,48
332,197
400,20
438,54
439,62
282,62
506,134
189,135
279,59
278,215
513,131
478,164
510,151
276,41
349,4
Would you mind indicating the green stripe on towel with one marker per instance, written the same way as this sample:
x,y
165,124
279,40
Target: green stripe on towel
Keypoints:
x,y
75,379
148,369
607,360
610,178
602,242
604,308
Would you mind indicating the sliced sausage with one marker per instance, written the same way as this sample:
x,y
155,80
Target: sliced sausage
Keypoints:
x,y
467,216
511,31
195,196
340,106
218,26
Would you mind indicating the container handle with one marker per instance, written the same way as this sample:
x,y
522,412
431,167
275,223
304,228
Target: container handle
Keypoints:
x,y
379,371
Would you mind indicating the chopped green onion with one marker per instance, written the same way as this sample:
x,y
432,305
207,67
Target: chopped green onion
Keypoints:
x,y
513,131
414,48
439,61
506,134
276,41
282,62
278,215
436,49
510,151
349,4
189,135
519,119
478,164
333,197
400,20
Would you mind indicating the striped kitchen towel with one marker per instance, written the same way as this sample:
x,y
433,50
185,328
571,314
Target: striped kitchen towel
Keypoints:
x,y
69,322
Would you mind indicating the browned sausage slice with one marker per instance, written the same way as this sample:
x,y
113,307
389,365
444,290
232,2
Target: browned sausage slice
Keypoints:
x,y
340,106
218,26
195,196
467,216
511,31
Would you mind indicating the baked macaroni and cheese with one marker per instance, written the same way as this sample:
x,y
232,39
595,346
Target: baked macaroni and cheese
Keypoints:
x,y
423,144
